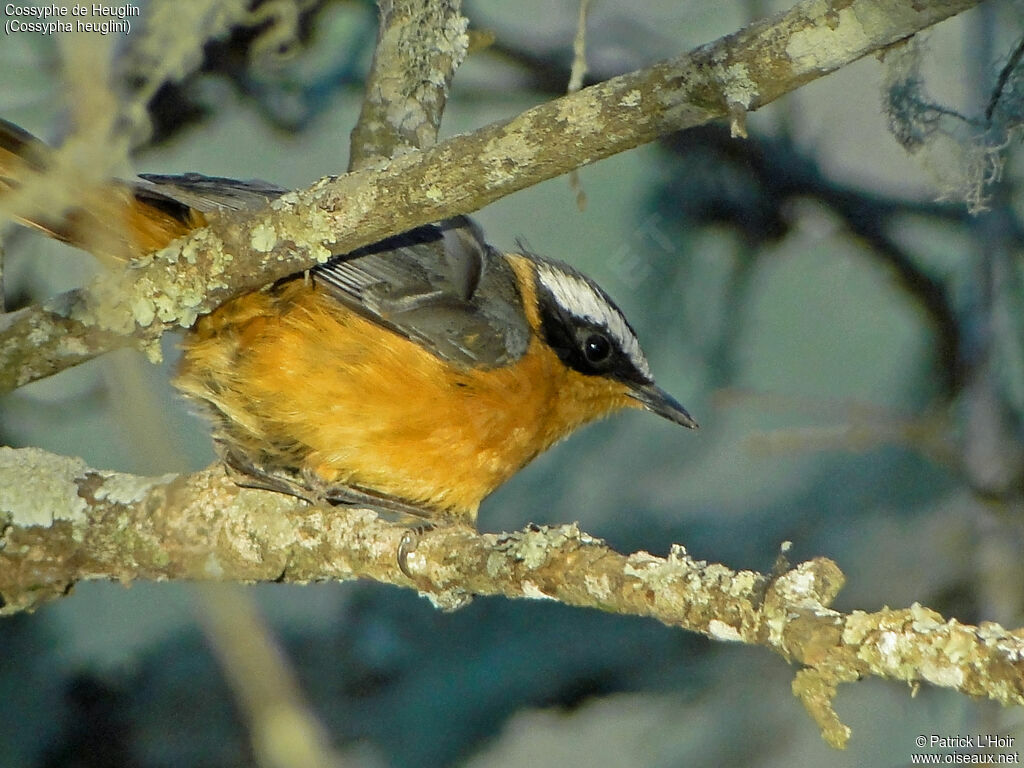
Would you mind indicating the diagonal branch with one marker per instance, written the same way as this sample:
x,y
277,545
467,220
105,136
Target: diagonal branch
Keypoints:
x,y
62,522
40,340
734,74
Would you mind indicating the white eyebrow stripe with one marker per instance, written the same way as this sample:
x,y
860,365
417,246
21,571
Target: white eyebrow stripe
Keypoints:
x,y
579,297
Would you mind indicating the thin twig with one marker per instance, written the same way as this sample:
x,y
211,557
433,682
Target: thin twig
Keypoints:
x,y
1004,78
576,75
285,732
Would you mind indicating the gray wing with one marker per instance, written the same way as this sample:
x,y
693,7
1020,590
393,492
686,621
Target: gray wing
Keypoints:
x,y
440,285
206,193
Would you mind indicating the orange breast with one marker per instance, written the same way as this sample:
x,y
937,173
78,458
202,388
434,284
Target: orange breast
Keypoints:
x,y
309,384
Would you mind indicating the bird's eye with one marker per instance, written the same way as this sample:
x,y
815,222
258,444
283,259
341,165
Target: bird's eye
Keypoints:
x,y
596,348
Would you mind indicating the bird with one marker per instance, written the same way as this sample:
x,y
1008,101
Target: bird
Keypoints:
x,y
415,375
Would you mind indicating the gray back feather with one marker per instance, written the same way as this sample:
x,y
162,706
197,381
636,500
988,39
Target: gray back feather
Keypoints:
x,y
440,285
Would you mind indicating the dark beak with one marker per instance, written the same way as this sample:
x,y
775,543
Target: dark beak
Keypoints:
x,y
656,400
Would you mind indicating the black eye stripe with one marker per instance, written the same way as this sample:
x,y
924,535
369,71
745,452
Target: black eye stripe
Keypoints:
x,y
587,345
582,304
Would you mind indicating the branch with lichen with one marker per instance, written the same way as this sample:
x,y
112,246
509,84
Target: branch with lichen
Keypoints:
x,y
420,44
62,522
241,252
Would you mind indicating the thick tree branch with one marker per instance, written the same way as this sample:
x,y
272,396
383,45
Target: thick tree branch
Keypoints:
x,y
737,73
420,44
62,522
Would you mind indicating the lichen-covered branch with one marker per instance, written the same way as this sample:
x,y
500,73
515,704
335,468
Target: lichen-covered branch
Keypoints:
x,y
40,340
62,522
740,72
420,44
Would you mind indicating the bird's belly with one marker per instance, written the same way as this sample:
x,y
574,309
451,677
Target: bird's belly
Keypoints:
x,y
309,385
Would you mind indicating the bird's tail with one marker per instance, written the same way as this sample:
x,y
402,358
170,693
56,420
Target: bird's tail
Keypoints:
x,y
113,218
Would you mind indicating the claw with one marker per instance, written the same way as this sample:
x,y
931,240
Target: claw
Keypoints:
x,y
410,539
